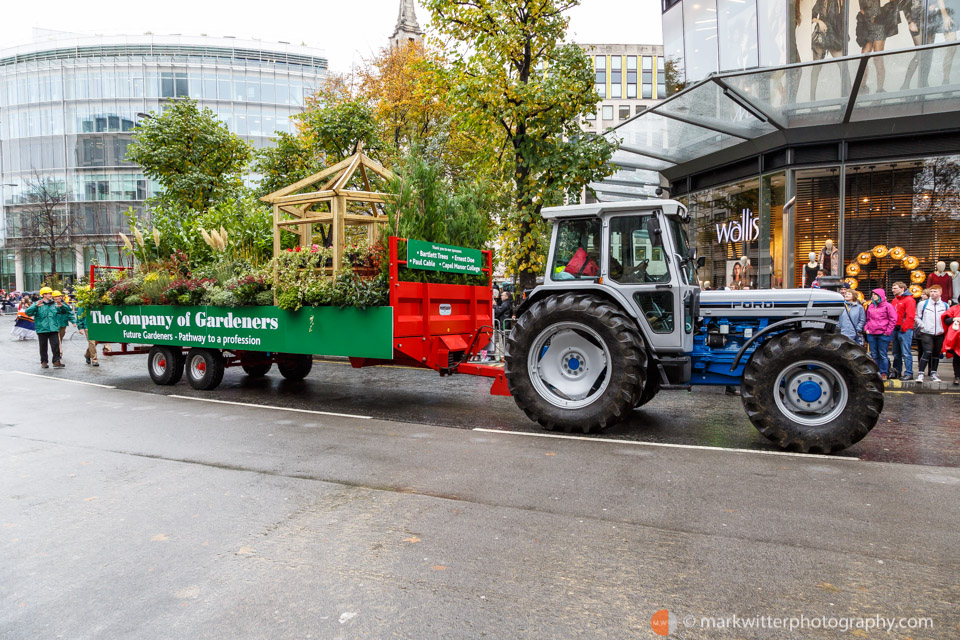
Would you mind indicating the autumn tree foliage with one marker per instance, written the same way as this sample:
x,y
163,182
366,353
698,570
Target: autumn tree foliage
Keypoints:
x,y
515,80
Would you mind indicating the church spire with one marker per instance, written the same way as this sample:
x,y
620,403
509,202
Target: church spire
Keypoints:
x,y
407,29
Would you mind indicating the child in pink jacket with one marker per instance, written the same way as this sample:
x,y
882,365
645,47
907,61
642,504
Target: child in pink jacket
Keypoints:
x,y
881,320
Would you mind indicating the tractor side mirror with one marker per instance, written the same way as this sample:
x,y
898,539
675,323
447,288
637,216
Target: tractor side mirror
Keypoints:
x,y
654,232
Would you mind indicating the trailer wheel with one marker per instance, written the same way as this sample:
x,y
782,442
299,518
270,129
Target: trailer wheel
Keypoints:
x,y
204,368
575,361
255,370
294,366
812,391
165,365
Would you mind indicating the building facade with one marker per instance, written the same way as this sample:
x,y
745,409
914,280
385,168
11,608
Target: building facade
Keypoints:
x,y
709,36
867,172
68,108
629,78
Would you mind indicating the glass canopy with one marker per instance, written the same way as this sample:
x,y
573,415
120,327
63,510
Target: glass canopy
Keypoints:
x,y
727,110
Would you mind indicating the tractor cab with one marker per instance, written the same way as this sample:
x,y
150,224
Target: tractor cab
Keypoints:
x,y
636,254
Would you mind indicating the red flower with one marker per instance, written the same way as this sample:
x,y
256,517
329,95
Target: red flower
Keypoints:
x,y
298,249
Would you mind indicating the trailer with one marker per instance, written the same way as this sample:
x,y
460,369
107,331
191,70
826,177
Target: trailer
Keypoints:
x,y
426,325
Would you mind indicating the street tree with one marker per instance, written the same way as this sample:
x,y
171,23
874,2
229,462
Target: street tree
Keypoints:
x,y
45,222
518,84
192,154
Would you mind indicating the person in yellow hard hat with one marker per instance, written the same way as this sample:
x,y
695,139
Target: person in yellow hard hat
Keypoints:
x,y
45,313
65,318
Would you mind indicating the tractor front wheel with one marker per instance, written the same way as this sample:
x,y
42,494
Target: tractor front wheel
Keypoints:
x,y
812,391
575,362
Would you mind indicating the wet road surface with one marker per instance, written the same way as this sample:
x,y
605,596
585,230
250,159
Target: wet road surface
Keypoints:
x,y
913,428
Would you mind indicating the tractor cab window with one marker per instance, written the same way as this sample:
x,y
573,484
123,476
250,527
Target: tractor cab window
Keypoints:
x,y
577,254
637,256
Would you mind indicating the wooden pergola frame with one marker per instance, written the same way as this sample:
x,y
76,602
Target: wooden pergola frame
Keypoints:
x,y
293,207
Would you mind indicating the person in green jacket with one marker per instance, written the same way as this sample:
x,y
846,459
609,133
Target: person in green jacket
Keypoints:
x,y
65,320
90,355
46,316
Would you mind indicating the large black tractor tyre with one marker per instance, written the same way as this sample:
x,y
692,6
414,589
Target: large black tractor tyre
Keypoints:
x,y
204,368
590,337
165,365
651,387
294,366
812,391
260,368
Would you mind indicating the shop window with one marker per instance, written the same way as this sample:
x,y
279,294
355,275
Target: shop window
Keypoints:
x,y
816,215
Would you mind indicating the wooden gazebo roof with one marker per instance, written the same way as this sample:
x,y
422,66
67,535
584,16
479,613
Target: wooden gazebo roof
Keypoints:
x,y
294,205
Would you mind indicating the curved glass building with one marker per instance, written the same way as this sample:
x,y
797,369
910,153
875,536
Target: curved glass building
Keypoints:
x,y
68,107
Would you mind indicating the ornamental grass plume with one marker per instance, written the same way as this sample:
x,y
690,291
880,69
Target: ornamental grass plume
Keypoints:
x,y
126,242
156,236
139,236
223,236
207,238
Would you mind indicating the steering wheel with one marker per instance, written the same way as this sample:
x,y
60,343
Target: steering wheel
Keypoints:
x,y
638,272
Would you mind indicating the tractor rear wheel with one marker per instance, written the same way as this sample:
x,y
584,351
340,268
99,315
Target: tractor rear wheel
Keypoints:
x,y
812,391
651,387
575,362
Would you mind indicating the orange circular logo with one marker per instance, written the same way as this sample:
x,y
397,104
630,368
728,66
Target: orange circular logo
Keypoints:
x,y
663,622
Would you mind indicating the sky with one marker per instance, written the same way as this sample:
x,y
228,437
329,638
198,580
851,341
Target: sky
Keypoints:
x,y
348,30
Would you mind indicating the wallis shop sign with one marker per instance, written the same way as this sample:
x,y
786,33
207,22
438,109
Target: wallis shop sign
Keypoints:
x,y
746,228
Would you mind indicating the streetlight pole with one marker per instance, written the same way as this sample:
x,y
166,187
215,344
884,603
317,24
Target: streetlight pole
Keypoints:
x,y
3,232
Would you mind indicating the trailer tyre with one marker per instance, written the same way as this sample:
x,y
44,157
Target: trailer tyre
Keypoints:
x,y
165,365
575,362
255,370
812,391
295,366
204,368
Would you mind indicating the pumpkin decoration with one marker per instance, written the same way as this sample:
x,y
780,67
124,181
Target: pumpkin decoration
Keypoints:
x,y
865,258
918,277
916,290
853,269
859,295
911,262
880,251
852,282
897,253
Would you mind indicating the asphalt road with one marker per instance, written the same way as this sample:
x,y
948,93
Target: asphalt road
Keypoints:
x,y
132,515
914,428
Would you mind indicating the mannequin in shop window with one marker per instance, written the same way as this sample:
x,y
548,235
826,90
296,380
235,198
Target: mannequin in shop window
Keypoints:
x,y
829,259
810,271
746,273
942,278
826,34
736,277
955,271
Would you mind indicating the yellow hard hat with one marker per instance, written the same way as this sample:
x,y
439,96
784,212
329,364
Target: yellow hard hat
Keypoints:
x,y
57,293
45,290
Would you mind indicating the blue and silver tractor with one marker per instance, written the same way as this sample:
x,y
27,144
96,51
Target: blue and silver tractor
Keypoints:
x,y
621,316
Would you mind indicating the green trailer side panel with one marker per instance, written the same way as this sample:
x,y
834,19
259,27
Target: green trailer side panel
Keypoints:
x,y
329,331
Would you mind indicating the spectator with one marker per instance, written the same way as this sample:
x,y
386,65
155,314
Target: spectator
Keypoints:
x,y
853,318
881,319
951,341
46,314
23,326
504,310
932,332
816,281
64,319
906,308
